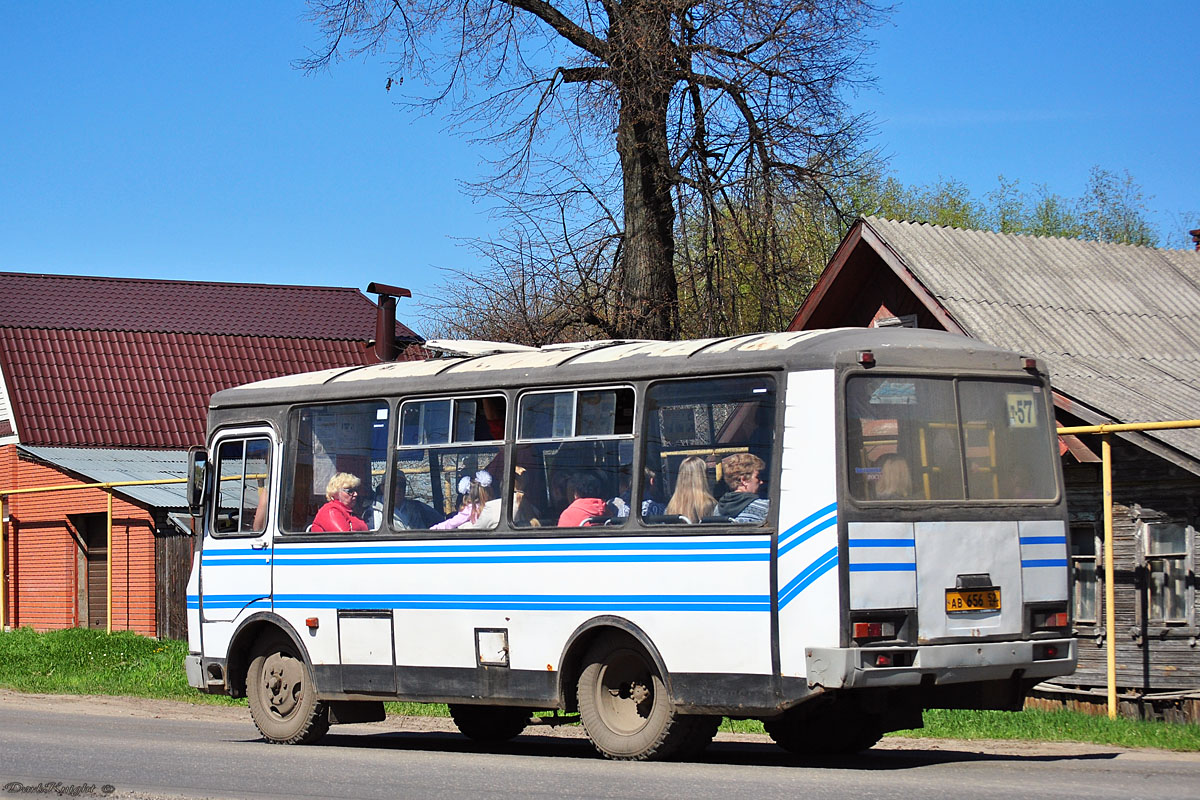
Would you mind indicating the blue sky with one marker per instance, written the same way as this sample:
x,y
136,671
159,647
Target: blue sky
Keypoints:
x,y
175,140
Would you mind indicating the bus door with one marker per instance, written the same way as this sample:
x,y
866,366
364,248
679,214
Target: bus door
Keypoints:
x,y
235,563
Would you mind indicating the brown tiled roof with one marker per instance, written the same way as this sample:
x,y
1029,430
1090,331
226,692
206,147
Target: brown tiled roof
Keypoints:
x,y
233,309
113,362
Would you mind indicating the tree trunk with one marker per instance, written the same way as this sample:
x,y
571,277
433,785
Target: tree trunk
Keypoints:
x,y
648,299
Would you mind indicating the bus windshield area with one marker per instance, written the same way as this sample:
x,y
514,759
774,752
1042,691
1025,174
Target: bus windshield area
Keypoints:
x,y
943,439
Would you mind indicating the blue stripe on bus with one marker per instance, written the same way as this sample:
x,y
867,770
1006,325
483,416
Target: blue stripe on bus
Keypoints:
x,y
1043,540
884,566
647,558
1031,563
807,576
882,543
517,602
799,528
760,543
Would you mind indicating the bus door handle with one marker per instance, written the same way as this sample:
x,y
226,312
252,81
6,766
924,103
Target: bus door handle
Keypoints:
x,y
259,545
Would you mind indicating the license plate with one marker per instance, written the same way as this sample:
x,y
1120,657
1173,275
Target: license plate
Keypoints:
x,y
982,599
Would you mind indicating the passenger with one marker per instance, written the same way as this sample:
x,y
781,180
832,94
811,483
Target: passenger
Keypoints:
x,y
483,502
411,514
691,499
619,505
584,488
338,513
743,475
652,505
524,513
476,493
895,480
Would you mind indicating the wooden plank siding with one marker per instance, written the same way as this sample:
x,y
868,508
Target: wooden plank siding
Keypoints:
x,y
1145,488
43,561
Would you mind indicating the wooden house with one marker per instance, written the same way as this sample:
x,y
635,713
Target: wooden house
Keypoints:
x,y
1119,327
108,379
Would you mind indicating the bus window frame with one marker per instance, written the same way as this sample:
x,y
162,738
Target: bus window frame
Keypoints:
x,y
902,506
244,435
288,465
774,468
637,388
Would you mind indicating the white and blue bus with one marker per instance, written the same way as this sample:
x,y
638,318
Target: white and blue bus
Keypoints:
x,y
829,531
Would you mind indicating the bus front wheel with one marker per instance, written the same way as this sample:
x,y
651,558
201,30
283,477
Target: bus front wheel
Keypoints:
x,y
283,701
626,710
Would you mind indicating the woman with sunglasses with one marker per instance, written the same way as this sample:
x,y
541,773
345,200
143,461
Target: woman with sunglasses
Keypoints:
x,y
338,513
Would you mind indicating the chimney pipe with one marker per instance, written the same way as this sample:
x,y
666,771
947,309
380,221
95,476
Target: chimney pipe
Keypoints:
x,y
385,319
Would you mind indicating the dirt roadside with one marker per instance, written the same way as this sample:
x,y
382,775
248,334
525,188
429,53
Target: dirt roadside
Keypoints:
x,y
178,710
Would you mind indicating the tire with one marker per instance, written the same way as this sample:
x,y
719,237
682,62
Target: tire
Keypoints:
x,y
282,698
825,732
490,723
625,707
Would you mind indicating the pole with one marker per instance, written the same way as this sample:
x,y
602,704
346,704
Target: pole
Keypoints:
x,y
3,562
1110,617
109,559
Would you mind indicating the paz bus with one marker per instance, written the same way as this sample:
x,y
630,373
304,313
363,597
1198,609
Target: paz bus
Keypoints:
x,y
514,542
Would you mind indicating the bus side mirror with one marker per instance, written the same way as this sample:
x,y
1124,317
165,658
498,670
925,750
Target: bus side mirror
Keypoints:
x,y
197,478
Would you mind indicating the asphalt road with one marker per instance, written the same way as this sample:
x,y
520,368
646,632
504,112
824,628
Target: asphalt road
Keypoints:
x,y
52,747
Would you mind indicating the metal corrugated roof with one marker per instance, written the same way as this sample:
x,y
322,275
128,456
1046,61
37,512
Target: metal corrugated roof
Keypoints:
x,y
1118,325
104,466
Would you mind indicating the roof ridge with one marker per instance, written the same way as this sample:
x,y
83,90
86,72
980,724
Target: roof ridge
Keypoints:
x,y
178,281
871,218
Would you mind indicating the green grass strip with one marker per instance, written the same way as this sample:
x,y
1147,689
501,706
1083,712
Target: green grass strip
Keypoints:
x,y
81,661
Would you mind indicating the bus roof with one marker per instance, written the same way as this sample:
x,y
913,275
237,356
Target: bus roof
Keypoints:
x,y
473,364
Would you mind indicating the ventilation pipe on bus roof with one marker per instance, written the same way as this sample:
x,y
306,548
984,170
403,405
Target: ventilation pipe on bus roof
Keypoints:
x,y
385,319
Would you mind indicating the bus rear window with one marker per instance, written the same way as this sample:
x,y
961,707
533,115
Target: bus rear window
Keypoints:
x,y
931,439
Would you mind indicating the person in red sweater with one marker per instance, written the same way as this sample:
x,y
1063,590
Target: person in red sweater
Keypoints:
x,y
338,513
584,487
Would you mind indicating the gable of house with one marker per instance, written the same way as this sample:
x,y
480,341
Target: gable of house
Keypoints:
x,y
1117,325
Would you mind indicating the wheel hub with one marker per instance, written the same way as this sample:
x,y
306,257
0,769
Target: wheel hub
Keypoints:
x,y
282,681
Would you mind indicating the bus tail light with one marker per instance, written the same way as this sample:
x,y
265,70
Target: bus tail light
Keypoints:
x,y
1049,620
874,630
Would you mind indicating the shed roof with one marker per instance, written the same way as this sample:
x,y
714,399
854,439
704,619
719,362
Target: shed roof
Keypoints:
x,y
118,362
104,466
1118,325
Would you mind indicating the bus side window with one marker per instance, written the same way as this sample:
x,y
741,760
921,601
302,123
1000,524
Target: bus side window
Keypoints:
x,y
449,465
243,488
697,429
332,447
573,458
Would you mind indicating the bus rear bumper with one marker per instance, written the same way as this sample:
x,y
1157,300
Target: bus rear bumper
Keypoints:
x,y
863,667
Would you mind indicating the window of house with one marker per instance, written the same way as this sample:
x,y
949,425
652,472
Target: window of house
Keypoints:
x,y
1168,562
1085,586
574,455
332,447
449,464
243,486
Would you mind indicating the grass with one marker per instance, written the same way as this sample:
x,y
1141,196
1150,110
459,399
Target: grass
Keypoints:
x,y
80,661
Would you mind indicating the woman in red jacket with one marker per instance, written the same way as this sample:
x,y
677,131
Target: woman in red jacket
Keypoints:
x,y
338,513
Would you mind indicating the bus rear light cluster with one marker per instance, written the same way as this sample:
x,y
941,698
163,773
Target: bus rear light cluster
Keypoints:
x,y
1046,652
1029,363
1049,620
874,630
866,358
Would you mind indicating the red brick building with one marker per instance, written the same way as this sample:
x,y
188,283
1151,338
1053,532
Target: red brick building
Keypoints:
x,y
108,379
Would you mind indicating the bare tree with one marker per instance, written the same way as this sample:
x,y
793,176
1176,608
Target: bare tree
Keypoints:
x,y
703,103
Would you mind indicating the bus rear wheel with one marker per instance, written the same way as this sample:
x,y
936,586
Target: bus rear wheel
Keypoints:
x,y
283,701
490,723
626,710
829,731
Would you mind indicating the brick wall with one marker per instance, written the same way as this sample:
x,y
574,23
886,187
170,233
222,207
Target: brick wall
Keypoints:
x,y
43,561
